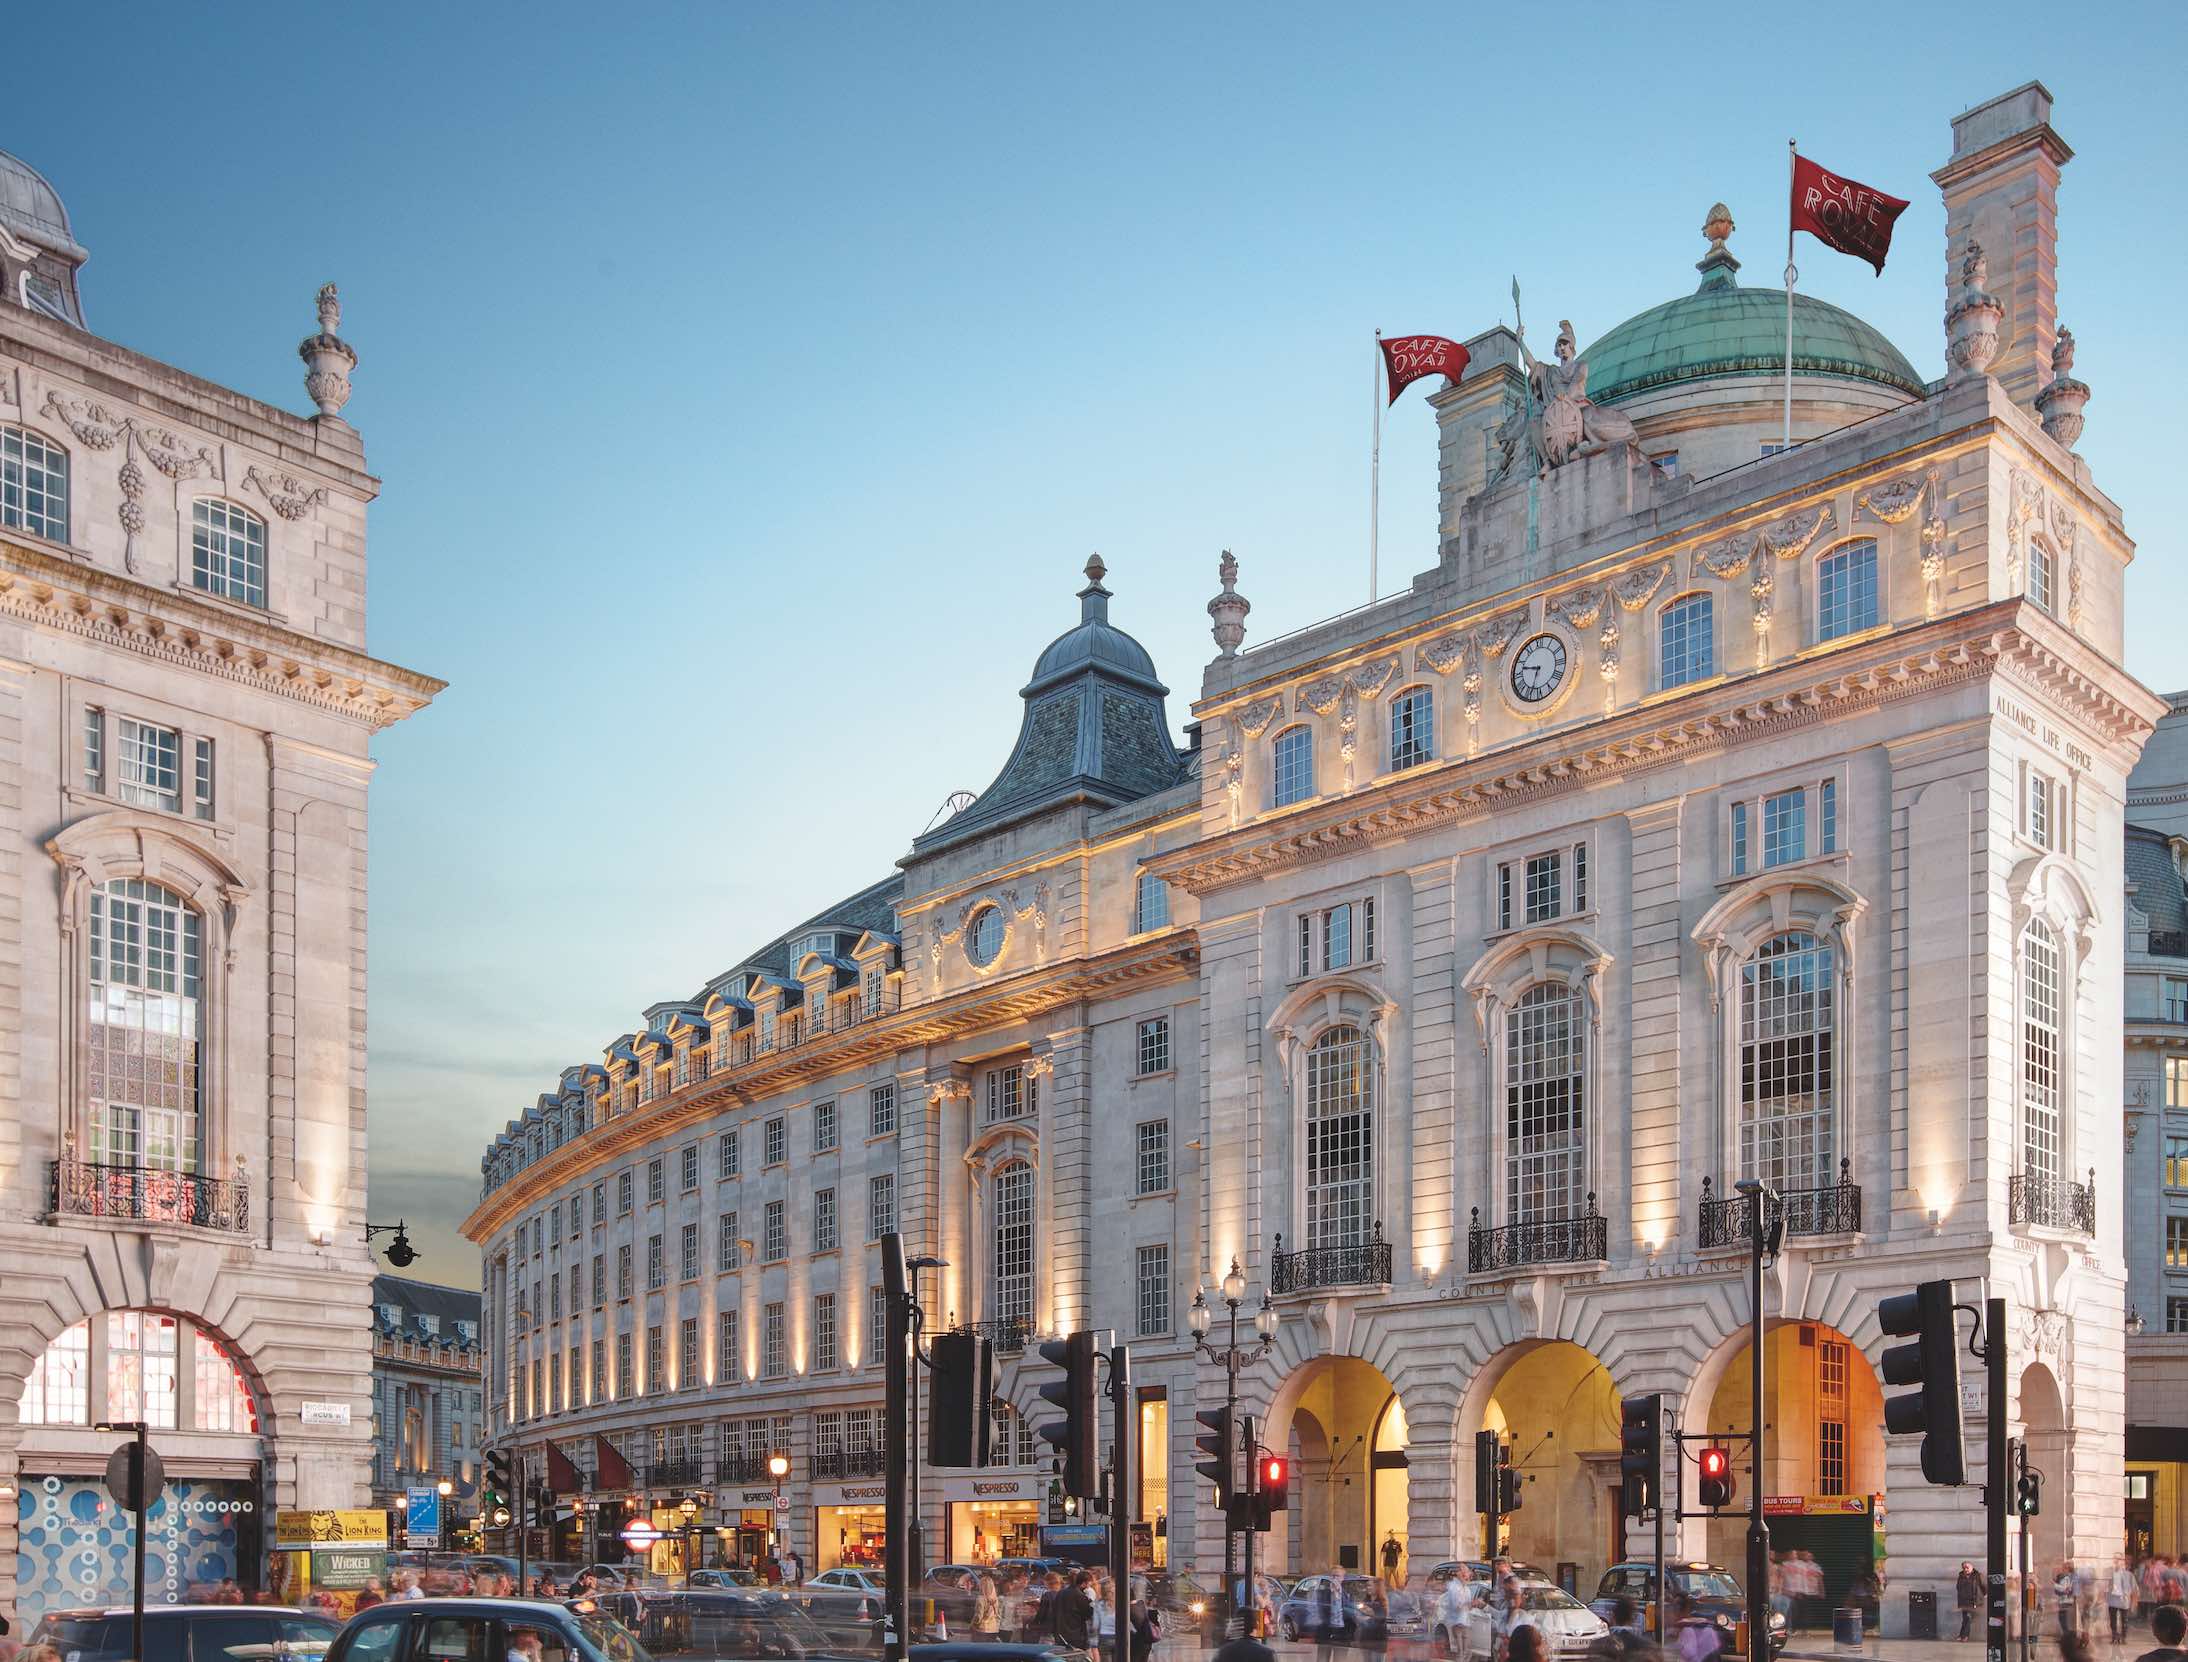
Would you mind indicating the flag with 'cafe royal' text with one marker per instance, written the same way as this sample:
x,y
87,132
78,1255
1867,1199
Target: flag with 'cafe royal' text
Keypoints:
x,y
1406,358
1844,215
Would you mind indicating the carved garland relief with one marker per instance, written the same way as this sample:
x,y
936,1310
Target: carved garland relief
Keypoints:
x,y
2032,509
98,428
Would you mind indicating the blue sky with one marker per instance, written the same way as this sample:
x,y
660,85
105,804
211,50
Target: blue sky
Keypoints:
x,y
750,383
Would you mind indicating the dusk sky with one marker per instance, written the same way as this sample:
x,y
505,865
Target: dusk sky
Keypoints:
x,y
750,383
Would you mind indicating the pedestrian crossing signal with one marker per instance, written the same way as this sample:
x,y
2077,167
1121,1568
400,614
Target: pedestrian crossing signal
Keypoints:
x,y
1717,1485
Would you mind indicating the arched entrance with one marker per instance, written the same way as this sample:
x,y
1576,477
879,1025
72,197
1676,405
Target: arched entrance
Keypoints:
x,y
1555,1410
1823,1470
2043,1420
1344,1428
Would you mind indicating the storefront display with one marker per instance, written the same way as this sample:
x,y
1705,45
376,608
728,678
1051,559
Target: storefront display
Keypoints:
x,y
849,1525
74,1544
991,1515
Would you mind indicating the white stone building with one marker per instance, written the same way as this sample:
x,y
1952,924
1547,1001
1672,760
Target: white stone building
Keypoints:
x,y
1751,813
186,706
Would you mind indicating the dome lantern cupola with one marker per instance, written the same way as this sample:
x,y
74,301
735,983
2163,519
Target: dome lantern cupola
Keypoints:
x,y
39,254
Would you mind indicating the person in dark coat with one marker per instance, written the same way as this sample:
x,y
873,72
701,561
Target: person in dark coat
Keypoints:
x,y
1075,1613
1967,1594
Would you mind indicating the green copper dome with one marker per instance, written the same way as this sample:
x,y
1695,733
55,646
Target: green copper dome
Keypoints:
x,y
1723,329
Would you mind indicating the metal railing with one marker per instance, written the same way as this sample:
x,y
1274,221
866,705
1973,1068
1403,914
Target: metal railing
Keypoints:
x,y
849,1462
150,1194
666,1474
1008,1335
742,1468
2052,1202
1835,1209
1349,1264
1577,1238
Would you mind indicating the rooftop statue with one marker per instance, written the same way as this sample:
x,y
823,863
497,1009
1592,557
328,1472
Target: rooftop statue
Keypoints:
x,y
1563,422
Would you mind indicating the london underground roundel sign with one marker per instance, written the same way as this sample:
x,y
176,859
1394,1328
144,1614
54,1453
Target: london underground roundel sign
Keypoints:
x,y
640,1534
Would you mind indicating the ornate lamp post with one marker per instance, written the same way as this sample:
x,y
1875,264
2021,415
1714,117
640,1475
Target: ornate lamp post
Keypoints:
x,y
1200,1318
778,1468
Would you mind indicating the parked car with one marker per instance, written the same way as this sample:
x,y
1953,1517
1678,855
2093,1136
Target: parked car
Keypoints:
x,y
480,1630
1033,1566
757,1624
1363,1612
1567,1626
726,1576
852,1578
1716,1593
188,1633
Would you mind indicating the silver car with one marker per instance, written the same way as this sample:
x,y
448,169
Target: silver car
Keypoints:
x,y
1567,1626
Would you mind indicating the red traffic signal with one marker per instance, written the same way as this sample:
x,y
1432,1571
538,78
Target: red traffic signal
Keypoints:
x,y
1716,1486
1272,1473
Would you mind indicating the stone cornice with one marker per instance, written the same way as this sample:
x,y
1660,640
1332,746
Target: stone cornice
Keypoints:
x,y
1802,690
1171,957
170,627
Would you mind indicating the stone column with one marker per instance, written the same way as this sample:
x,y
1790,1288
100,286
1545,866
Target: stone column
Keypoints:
x,y
2001,189
1433,1507
1655,955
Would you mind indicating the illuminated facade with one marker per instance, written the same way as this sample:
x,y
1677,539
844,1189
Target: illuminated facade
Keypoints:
x,y
1711,810
185,709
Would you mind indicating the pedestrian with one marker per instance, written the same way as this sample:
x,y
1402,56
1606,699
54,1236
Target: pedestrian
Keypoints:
x,y
2119,1598
1146,1626
1627,1637
1967,1594
371,1593
2169,1627
2062,1599
1527,1645
1699,1639
1454,1606
987,1609
1329,1617
1392,1553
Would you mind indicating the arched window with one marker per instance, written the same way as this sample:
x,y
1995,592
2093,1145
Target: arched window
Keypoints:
x,y
146,1033
1013,1264
33,484
1686,639
1846,590
2041,572
1788,1086
2043,1154
228,551
1291,758
1340,1139
128,1365
1412,728
1545,1147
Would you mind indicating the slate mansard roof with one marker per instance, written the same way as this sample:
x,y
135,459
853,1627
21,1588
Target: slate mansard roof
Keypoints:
x,y
2159,893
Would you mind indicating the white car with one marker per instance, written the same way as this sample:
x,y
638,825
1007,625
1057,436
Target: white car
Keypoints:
x,y
850,1579
1567,1626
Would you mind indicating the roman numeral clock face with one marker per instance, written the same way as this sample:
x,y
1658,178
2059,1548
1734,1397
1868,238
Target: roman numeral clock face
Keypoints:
x,y
1538,669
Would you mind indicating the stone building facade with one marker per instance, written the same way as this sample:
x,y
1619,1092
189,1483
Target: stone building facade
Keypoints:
x,y
1711,810
428,1397
186,705
2156,1182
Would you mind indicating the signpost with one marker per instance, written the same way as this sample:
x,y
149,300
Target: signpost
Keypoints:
x,y
639,1535
422,1517
135,1477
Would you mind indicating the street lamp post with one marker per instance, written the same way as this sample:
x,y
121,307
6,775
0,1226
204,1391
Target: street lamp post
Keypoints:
x,y
446,1490
1201,1318
778,1468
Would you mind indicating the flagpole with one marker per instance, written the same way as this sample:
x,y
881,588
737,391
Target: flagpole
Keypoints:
x,y
1375,465
1792,150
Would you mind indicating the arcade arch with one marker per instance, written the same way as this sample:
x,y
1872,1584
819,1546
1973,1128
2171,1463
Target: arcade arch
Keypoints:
x,y
1555,1408
1344,1427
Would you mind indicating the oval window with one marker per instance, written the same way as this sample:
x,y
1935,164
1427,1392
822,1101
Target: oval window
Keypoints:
x,y
984,937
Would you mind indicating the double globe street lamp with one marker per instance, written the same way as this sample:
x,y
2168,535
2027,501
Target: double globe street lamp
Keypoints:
x,y
1201,1317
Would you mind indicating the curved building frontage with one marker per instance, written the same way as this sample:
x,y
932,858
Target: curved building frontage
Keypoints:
x,y
1710,811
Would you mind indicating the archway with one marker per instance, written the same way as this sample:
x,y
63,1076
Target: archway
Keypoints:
x,y
2043,1420
1345,1429
1556,1411
1823,1464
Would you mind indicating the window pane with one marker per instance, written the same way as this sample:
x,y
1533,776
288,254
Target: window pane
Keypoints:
x,y
2041,1147
1687,640
228,552
33,484
143,1034
1292,758
1785,828
1340,1140
1545,1152
1846,591
1412,728
1152,910
1013,1243
1788,1096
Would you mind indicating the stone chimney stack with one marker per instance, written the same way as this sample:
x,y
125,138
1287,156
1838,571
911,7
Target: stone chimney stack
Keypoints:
x,y
1467,417
2002,190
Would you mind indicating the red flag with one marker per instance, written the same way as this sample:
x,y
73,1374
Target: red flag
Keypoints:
x,y
1841,214
1406,358
562,1477
615,1471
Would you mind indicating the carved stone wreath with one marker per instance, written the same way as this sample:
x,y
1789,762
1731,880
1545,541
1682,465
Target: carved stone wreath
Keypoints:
x,y
1441,653
289,497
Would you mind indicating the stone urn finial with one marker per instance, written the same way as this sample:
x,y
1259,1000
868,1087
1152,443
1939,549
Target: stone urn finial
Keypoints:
x,y
2061,403
1229,608
1971,327
327,357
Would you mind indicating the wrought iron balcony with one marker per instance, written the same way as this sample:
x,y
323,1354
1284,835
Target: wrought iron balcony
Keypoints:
x,y
1353,1264
150,1194
674,1474
1835,1209
848,1462
742,1468
1008,1334
2052,1202
1577,1238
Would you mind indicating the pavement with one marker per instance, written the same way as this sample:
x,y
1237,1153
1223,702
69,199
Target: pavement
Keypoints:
x,y
1805,1647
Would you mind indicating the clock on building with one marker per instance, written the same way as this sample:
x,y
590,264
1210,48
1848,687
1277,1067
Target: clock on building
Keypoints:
x,y
1538,668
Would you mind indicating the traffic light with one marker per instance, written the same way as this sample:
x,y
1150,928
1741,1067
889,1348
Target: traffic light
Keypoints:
x,y
500,1480
2028,1485
1507,1488
960,1413
1717,1484
1077,1433
1640,1453
1932,1362
1272,1486
1488,1457
1216,1448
